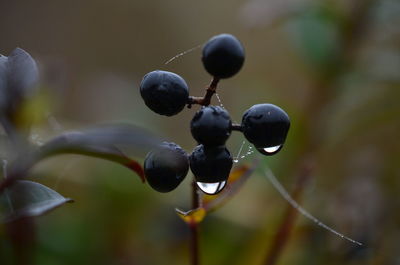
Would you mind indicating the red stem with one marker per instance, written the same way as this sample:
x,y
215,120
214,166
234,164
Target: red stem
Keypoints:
x,y
22,234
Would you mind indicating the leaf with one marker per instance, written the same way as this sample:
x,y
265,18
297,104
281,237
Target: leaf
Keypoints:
x,y
113,142
23,74
3,81
28,199
106,142
191,217
19,77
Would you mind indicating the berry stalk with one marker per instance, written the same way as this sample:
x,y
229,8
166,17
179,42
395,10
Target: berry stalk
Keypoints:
x,y
206,99
237,127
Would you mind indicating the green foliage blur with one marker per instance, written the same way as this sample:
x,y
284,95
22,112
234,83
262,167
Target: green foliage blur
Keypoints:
x,y
333,65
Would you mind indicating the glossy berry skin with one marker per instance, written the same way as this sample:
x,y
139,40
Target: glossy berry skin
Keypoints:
x,y
211,126
210,164
265,125
223,56
165,93
166,167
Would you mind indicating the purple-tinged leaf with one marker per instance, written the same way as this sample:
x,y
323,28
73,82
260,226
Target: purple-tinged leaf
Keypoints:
x,y
19,77
3,81
110,142
23,73
126,137
117,143
28,199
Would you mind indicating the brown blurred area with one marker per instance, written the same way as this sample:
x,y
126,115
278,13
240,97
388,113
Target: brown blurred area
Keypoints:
x,y
333,66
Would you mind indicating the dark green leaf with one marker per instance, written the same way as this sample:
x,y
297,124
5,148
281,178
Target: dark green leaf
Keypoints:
x,y
28,199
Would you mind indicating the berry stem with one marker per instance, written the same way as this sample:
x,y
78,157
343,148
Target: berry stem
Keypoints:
x,y
206,99
237,127
194,228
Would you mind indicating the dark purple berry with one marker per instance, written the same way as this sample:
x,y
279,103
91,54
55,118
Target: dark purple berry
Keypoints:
x,y
266,126
164,92
166,167
223,56
210,164
211,126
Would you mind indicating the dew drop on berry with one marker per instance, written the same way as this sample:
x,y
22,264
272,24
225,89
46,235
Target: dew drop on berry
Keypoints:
x,y
211,188
270,150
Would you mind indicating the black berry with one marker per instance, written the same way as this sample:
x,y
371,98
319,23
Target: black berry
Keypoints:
x,y
266,126
210,164
164,92
166,167
211,126
223,56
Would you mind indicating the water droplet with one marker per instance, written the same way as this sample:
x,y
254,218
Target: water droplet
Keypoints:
x,y
211,188
270,150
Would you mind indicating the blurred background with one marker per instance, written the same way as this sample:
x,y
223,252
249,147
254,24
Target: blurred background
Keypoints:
x,y
332,65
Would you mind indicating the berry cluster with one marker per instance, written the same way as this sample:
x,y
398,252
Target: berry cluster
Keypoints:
x,y
166,93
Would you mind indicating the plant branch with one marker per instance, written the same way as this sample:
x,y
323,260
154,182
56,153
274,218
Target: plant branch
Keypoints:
x,y
237,127
206,99
194,228
22,235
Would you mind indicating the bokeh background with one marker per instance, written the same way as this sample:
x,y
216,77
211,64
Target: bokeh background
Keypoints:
x,y
333,65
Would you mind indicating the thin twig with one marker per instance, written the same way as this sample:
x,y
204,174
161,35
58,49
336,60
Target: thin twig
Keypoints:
x,y
22,236
194,228
206,99
237,127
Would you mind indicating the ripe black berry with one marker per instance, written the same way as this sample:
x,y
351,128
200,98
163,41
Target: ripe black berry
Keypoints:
x,y
223,56
266,126
164,92
211,126
166,167
210,164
